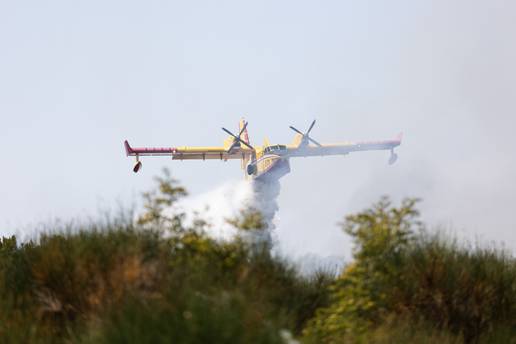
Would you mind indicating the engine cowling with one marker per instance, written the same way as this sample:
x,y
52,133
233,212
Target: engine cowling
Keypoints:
x,y
251,169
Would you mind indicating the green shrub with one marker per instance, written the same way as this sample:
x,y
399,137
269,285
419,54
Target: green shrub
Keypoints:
x,y
129,283
399,270
470,291
158,281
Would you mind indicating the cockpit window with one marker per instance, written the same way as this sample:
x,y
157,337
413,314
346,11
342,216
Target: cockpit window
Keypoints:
x,y
277,148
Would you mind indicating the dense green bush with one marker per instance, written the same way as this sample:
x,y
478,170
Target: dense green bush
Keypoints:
x,y
126,283
156,280
402,272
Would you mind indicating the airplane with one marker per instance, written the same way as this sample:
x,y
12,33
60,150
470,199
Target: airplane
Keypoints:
x,y
268,161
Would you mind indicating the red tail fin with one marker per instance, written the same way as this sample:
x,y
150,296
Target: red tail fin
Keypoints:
x,y
245,134
244,137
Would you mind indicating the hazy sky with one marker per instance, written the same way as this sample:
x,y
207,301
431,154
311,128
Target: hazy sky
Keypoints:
x,y
79,77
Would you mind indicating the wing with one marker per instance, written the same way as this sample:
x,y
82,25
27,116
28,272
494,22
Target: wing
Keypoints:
x,y
343,148
188,153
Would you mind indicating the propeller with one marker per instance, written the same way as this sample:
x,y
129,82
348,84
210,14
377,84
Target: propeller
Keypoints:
x,y
306,136
238,140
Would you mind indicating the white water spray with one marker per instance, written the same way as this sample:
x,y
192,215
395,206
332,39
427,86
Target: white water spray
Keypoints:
x,y
228,201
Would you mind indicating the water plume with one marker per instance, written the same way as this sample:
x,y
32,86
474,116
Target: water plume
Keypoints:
x,y
229,201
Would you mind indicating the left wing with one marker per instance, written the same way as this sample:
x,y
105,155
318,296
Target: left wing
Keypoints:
x,y
343,148
188,153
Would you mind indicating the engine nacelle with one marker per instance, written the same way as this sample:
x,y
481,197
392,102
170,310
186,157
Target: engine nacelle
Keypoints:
x,y
251,169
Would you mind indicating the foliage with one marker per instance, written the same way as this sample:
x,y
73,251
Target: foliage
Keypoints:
x,y
121,282
471,292
156,201
128,283
437,286
155,280
250,219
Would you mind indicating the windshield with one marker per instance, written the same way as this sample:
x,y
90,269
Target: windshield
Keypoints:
x,y
276,148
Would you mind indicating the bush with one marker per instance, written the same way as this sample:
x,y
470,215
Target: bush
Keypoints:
x,y
400,271
157,281
65,279
154,281
129,283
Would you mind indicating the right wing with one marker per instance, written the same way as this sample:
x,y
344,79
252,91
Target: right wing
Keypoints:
x,y
343,148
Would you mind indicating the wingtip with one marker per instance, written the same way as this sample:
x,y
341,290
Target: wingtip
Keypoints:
x,y
128,149
399,137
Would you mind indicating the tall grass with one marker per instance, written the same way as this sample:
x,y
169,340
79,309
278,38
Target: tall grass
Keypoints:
x,y
470,291
131,285
153,280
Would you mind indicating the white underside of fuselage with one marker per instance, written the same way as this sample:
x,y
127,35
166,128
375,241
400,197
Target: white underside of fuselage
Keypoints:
x,y
271,167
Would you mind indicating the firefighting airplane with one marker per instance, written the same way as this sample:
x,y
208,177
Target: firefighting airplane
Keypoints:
x,y
268,161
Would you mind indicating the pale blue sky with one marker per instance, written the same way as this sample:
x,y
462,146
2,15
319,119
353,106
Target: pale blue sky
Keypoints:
x,y
77,78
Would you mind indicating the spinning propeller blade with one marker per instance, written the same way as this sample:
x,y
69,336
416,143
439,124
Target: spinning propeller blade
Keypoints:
x,y
314,142
237,138
297,131
306,136
311,127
